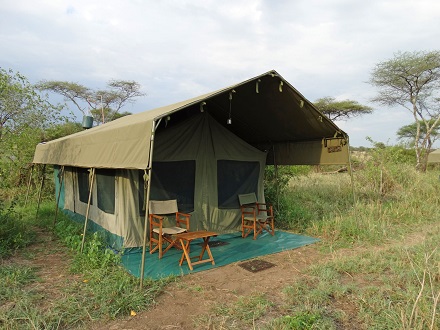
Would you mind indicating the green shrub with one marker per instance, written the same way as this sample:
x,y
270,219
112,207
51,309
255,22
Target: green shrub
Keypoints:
x,y
14,234
276,188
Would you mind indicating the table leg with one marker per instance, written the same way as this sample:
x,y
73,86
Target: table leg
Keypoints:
x,y
185,254
206,248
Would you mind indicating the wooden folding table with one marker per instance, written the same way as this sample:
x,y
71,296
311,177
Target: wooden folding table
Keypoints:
x,y
185,240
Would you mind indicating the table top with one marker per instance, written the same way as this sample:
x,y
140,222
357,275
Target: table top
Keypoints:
x,y
196,234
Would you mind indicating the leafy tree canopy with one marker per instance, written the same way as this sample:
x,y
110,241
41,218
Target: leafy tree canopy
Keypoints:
x,y
408,133
24,115
104,105
341,110
412,80
21,106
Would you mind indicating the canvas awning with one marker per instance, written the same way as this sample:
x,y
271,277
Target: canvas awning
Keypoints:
x,y
265,111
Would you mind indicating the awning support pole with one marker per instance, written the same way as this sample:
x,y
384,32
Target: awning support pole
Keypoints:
x,y
352,181
147,200
88,207
351,175
43,174
29,185
276,178
60,180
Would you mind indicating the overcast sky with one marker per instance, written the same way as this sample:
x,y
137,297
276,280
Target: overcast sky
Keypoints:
x,y
180,49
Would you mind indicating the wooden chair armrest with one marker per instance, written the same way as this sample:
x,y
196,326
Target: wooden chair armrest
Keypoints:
x,y
267,207
248,209
156,219
183,218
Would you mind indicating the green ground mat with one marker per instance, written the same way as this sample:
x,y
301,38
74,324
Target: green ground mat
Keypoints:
x,y
226,249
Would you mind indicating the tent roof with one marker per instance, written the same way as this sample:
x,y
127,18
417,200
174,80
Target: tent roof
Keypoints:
x,y
266,111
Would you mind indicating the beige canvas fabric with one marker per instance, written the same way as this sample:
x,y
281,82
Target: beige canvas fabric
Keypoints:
x,y
271,123
434,156
265,111
126,221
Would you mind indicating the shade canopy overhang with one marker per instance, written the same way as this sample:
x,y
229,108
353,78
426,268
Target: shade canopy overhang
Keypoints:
x,y
265,111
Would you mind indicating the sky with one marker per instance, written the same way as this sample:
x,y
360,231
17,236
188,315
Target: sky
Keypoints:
x,y
177,50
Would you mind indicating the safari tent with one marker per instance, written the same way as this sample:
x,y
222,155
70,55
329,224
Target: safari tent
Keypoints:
x,y
203,152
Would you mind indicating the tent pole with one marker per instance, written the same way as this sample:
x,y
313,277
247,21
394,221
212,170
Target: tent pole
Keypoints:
x,y
276,178
88,208
29,185
147,201
60,180
351,175
41,189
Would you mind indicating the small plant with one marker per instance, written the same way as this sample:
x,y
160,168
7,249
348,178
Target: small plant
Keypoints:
x,y
300,321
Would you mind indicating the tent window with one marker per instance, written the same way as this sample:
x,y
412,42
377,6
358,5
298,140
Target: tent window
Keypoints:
x,y
105,186
171,180
234,178
83,184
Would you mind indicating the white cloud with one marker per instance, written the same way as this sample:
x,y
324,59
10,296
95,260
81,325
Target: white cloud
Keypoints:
x,y
180,49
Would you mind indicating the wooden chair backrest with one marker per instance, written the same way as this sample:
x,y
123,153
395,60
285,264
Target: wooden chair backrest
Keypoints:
x,y
163,207
246,199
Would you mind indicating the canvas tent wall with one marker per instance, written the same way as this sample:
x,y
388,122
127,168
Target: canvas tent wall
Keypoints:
x,y
434,156
198,162
263,120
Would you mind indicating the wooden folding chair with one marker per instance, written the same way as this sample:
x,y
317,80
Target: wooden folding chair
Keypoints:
x,y
255,216
160,235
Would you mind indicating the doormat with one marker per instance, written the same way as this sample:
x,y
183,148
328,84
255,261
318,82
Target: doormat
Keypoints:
x,y
214,244
256,265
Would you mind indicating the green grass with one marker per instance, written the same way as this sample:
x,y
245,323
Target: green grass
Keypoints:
x,y
14,233
384,271
380,265
239,314
382,284
98,289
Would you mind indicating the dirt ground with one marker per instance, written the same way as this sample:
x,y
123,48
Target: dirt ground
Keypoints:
x,y
188,303
196,294
184,301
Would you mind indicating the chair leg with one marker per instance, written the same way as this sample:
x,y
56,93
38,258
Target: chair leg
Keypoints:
x,y
160,246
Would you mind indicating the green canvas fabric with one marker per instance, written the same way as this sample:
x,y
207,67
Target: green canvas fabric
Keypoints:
x,y
265,111
204,140
263,120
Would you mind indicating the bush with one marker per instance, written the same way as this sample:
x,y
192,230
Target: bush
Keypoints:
x,y
276,186
14,234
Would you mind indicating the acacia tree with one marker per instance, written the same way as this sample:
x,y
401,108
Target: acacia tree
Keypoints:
x,y
341,110
104,105
407,134
412,80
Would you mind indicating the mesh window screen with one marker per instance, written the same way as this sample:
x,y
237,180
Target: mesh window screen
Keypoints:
x,y
171,180
105,184
234,178
83,184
